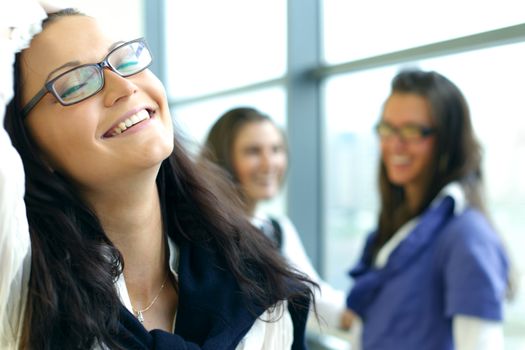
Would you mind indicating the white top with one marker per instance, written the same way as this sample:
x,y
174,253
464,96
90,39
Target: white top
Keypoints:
x,y
469,333
17,26
330,302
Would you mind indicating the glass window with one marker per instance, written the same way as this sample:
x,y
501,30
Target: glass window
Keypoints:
x,y
217,45
196,119
352,106
493,81
354,30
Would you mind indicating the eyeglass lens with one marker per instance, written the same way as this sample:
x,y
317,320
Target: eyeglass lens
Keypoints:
x,y
406,132
82,82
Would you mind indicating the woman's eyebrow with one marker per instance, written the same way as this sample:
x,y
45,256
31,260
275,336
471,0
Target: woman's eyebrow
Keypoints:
x,y
68,64
77,63
115,44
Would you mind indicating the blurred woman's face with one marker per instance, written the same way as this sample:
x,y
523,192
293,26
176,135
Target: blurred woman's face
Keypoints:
x,y
81,141
407,157
259,160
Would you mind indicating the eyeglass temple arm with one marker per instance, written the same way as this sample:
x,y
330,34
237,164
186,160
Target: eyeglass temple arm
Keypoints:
x,y
29,106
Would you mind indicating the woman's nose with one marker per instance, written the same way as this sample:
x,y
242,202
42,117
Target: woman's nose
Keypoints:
x,y
116,87
266,160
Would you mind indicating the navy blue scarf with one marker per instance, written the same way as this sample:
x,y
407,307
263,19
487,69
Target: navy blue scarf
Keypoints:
x,y
212,312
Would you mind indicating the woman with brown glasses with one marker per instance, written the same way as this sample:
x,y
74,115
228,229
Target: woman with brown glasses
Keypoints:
x,y
433,275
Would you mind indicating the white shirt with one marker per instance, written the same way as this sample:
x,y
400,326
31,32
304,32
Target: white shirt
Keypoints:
x,y
19,21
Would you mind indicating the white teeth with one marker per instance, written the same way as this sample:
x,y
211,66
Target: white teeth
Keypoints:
x,y
134,119
400,160
265,180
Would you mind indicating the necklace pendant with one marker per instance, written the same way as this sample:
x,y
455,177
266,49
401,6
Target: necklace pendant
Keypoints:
x,y
140,317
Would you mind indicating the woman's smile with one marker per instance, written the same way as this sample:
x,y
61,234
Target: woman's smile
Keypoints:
x,y
127,122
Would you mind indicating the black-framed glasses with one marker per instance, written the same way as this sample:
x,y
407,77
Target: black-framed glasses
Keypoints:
x,y
84,81
407,132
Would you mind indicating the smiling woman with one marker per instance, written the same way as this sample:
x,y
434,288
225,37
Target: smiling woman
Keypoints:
x,y
407,150
249,146
433,274
133,245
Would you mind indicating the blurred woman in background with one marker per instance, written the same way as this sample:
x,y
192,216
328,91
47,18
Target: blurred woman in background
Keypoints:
x,y
433,275
250,147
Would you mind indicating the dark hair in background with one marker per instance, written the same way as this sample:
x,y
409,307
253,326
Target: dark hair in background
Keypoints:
x,y
457,154
72,298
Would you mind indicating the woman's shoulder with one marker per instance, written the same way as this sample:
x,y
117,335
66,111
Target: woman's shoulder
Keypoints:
x,y
466,222
470,235
470,224
474,266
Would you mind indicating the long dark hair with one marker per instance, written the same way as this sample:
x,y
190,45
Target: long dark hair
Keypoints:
x,y
457,154
72,298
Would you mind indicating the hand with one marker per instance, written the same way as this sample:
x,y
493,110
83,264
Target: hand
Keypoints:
x,y
346,320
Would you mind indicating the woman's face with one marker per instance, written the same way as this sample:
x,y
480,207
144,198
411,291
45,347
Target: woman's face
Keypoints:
x,y
78,140
407,162
259,160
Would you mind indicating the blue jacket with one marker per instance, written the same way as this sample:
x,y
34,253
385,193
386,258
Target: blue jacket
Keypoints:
x,y
448,265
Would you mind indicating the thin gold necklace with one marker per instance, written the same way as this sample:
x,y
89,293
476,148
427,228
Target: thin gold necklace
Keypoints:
x,y
139,313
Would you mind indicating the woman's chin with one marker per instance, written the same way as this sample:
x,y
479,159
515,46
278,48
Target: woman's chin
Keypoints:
x,y
267,195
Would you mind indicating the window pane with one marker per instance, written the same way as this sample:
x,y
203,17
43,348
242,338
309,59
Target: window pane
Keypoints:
x,y
197,118
216,45
352,107
354,30
493,82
